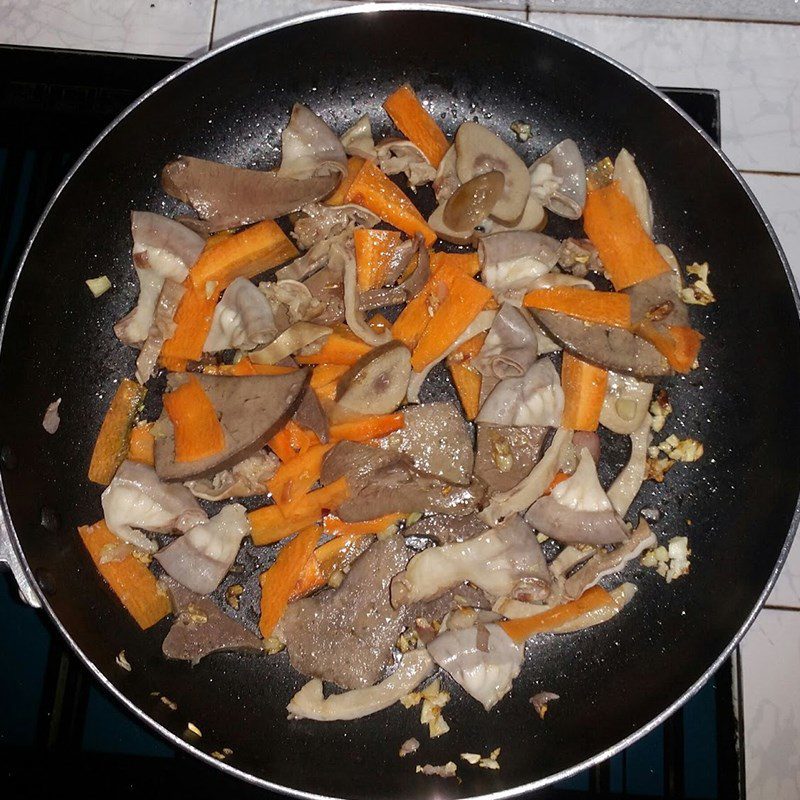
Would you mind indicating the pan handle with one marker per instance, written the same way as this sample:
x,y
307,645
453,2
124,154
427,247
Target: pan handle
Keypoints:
x,y
9,558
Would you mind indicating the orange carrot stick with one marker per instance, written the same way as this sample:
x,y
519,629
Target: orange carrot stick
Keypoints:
x,y
193,319
374,252
466,262
131,581
113,441
334,555
354,164
678,344
341,347
463,303
334,526
243,255
418,126
270,524
521,629
603,308
247,367
142,445
373,190
414,318
291,441
198,432
627,252
559,478
467,380
295,477
366,428
280,579
323,374
584,391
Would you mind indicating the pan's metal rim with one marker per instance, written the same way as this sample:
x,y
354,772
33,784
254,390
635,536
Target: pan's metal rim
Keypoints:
x,y
362,8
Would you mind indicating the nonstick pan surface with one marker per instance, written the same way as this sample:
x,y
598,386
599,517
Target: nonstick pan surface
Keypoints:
x,y
737,505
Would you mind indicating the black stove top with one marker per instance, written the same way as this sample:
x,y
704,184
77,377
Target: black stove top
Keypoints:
x,y
58,730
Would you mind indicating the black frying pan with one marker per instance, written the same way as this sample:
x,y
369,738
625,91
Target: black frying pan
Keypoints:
x,y
737,505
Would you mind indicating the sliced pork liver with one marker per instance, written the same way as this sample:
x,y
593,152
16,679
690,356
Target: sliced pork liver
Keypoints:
x,y
383,482
250,409
506,454
437,439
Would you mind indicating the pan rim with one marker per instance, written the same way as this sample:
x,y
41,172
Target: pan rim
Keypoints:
x,y
360,9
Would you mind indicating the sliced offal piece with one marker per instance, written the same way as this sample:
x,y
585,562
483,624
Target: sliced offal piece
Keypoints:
x,y
658,300
202,628
506,454
245,479
578,510
384,482
444,528
480,150
228,197
250,409
483,660
558,180
201,558
504,561
310,703
136,499
611,348
437,439
377,382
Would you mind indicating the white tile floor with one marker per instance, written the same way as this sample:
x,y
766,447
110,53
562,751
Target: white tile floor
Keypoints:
x,y
755,65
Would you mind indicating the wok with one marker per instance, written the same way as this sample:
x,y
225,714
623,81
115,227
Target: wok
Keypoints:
x,y
738,505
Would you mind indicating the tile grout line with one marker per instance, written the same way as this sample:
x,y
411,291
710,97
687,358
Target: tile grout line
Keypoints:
x,y
213,25
781,608
618,15
770,173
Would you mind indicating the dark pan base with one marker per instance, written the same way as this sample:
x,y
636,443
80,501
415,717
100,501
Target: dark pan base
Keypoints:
x,y
736,505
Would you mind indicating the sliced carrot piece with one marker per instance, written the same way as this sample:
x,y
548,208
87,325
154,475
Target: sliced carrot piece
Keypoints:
x,y
354,164
341,347
373,190
295,477
678,344
334,555
463,303
414,318
602,308
270,524
584,391
113,441
243,255
292,440
374,252
142,445
521,629
467,380
334,526
627,252
468,263
323,374
418,126
130,580
559,478
278,582
193,319
198,432
366,428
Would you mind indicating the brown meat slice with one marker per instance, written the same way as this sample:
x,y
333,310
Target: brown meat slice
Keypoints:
x,y
437,439
611,348
311,415
384,482
200,628
444,528
347,635
250,409
506,454
227,197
